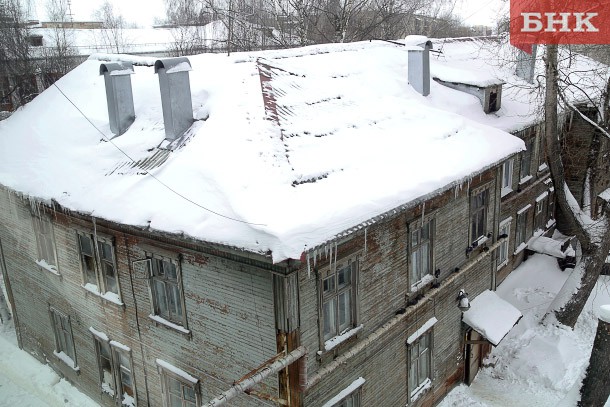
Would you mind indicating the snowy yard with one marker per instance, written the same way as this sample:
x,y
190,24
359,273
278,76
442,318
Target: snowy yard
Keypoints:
x,y
533,366
24,382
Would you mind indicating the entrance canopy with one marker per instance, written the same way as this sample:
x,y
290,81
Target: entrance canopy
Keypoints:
x,y
491,316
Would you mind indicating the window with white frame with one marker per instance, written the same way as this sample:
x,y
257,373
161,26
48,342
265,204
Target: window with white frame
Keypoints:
x,y
420,364
43,228
526,159
116,377
351,400
479,202
338,297
166,289
507,177
421,251
98,263
348,397
64,341
179,390
503,249
521,228
540,214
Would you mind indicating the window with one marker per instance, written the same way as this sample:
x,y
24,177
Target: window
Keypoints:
x,y
348,397
478,214
116,378
520,233
526,159
507,177
43,229
338,289
179,388
64,342
540,214
166,290
420,364
503,249
421,251
353,400
98,264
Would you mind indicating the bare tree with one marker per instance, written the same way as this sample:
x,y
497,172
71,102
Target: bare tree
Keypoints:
x,y
17,70
593,235
113,35
57,57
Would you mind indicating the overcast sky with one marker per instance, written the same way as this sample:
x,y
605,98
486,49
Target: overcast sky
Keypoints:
x,y
143,12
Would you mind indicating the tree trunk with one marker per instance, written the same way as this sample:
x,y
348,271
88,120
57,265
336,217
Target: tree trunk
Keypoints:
x,y
595,389
595,252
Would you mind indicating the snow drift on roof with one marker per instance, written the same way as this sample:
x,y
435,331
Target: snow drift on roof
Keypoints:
x,y
339,138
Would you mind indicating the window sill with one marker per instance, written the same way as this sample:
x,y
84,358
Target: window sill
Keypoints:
x,y
108,295
170,325
520,248
543,167
504,263
505,191
422,283
332,343
67,360
46,266
421,390
525,179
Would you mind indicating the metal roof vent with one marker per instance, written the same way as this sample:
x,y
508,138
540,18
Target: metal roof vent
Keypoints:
x,y
119,95
526,64
175,95
419,68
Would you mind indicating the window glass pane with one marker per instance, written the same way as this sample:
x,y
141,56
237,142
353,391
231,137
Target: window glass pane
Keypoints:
x,y
174,300
425,232
425,259
329,284
413,375
189,393
424,367
175,400
330,317
157,266
170,270
415,238
110,278
86,246
343,275
160,297
344,310
415,275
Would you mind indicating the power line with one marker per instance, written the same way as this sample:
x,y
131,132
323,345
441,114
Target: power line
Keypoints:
x,y
148,172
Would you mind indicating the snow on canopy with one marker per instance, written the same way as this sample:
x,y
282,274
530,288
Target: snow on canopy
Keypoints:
x,y
339,138
491,316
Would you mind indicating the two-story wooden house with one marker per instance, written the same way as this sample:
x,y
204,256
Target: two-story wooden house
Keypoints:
x,y
297,227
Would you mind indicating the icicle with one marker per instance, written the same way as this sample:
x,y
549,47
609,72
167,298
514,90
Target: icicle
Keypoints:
x,y
365,233
315,257
335,267
308,266
423,211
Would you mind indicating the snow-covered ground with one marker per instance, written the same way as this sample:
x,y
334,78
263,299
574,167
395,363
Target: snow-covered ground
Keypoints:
x,y
534,365
25,382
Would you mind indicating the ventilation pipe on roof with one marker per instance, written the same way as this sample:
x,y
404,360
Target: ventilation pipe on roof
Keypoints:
x,y
419,67
119,95
526,64
175,95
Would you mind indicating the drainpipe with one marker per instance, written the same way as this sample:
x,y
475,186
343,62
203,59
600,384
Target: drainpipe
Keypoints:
x,y
258,377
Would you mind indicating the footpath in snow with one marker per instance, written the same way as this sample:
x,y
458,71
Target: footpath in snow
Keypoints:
x,y
535,365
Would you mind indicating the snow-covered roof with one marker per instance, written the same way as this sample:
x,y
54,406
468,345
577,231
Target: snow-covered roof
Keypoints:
x,y
491,316
336,138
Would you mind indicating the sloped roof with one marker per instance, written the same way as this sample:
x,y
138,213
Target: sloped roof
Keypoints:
x,y
338,138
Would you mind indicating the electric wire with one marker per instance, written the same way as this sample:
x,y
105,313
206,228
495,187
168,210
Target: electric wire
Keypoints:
x,y
149,173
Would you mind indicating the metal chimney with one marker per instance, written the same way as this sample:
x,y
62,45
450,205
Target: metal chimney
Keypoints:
x,y
119,95
526,64
419,68
175,95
